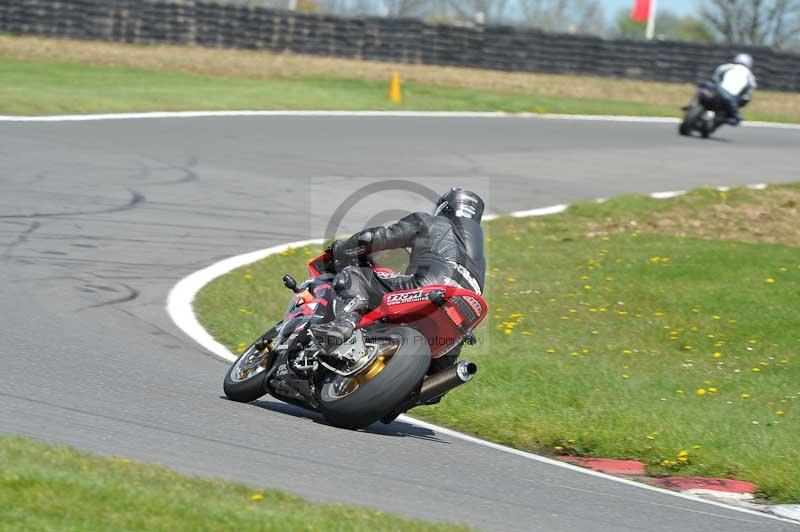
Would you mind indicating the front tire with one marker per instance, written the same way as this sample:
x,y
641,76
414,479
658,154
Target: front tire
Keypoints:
x,y
353,404
245,380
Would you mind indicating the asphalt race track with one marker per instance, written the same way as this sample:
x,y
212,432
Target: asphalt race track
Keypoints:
x,y
98,220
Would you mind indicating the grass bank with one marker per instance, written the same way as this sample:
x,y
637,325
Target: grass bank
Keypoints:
x,y
47,487
662,330
43,76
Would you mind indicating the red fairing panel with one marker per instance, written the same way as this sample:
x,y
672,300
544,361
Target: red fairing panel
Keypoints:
x,y
440,326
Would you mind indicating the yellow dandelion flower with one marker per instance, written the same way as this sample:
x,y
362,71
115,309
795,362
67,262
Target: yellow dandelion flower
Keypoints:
x,y
701,391
770,280
679,392
712,390
625,376
696,446
745,395
717,354
756,370
257,497
558,448
683,454
779,413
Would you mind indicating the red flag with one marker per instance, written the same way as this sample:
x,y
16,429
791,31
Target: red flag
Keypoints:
x,y
641,10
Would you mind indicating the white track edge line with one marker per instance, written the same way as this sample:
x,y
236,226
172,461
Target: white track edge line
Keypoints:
x,y
180,309
181,298
385,114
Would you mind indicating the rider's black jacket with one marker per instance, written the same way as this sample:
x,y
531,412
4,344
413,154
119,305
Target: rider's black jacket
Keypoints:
x,y
442,249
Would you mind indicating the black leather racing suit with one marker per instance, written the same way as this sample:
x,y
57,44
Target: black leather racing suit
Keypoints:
x,y
443,251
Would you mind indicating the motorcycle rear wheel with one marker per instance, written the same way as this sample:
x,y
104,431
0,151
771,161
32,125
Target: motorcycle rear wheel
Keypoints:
x,y
358,401
689,118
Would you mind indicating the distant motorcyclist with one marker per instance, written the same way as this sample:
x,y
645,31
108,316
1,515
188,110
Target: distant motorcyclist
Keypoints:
x,y
735,83
446,248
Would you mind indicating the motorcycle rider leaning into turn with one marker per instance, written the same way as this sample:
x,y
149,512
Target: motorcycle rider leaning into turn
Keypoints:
x,y
735,83
446,248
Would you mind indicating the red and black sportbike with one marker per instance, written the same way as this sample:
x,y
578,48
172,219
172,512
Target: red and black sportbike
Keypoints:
x,y
383,370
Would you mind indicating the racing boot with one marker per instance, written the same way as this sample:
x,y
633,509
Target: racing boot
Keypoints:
x,y
334,333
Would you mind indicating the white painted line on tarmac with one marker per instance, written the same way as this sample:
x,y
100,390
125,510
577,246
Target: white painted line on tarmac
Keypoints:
x,y
667,194
730,495
564,465
181,298
356,114
180,309
544,211
789,511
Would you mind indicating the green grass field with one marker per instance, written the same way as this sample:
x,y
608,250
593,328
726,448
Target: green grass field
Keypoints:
x,y
47,487
38,88
42,88
662,330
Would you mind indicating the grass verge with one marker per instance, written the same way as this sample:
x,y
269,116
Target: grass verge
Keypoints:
x,y
41,88
43,76
661,330
47,487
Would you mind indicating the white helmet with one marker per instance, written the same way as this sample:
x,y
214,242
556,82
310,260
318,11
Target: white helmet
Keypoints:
x,y
744,59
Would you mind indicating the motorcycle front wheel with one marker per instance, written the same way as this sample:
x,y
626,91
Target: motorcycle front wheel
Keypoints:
x,y
244,381
358,401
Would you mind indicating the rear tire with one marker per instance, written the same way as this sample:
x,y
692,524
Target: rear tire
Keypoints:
x,y
253,386
379,396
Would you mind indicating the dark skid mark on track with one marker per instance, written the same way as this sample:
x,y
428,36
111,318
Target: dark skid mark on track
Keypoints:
x,y
132,294
160,331
21,238
136,199
146,171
